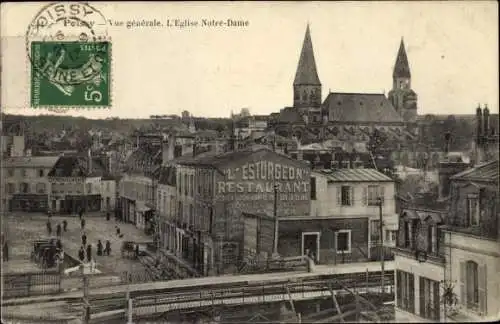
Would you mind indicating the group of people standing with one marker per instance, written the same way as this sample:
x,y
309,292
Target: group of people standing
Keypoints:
x,y
59,228
86,249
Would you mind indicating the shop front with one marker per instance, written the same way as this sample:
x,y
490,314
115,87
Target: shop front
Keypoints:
x,y
72,204
29,203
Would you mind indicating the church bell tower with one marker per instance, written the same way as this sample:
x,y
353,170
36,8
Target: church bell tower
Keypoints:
x,y
402,97
306,86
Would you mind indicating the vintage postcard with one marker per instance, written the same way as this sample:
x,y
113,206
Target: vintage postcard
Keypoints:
x,y
249,162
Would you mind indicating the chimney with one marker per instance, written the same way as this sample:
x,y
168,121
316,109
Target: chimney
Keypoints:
x,y
479,124
486,121
447,139
167,149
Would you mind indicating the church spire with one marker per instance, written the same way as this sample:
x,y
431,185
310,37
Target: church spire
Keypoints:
x,y
401,68
306,86
306,70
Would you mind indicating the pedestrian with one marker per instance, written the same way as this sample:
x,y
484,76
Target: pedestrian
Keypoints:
x,y
81,254
49,227
137,250
80,213
108,247
58,230
99,248
117,231
84,239
65,225
59,244
107,216
82,223
5,251
89,253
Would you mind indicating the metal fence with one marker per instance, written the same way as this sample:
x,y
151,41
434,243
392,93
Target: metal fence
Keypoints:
x,y
30,284
147,305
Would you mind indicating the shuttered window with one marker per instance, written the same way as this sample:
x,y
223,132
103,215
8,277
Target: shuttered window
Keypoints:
x,y
429,299
347,195
473,286
405,291
482,285
313,188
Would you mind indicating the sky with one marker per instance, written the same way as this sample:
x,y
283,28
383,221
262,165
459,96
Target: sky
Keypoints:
x,y
452,49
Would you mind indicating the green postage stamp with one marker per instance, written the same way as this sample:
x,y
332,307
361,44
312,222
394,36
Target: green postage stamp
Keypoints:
x,y
70,74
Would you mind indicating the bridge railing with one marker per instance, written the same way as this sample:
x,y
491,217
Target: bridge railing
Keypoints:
x,y
150,304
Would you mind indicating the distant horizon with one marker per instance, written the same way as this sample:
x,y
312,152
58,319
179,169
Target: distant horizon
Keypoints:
x,y
452,49
492,113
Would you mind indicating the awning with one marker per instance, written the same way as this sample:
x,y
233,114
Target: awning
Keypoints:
x,y
141,207
410,214
435,217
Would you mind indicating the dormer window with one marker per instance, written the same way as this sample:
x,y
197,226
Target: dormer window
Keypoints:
x,y
472,210
345,164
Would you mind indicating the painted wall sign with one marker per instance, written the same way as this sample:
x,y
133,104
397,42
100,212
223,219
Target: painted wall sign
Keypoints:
x,y
257,180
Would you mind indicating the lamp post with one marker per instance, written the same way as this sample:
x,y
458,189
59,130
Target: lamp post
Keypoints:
x,y
276,222
381,224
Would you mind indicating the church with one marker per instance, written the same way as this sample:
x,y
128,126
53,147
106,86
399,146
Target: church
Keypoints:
x,y
347,119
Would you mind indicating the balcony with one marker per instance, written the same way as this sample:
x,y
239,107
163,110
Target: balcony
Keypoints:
x,y
420,255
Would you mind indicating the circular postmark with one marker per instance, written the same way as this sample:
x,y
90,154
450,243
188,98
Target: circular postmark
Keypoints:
x,y
65,45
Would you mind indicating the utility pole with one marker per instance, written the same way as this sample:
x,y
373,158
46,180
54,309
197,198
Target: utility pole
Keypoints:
x,y
276,223
86,303
379,203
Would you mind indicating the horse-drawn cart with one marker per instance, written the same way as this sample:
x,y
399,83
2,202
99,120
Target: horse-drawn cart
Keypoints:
x,y
128,249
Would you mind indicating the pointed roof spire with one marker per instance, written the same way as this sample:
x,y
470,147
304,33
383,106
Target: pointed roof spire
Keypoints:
x,y
402,68
306,70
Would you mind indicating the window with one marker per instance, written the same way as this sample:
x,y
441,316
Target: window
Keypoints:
x,y
375,231
472,285
89,188
10,172
429,299
411,228
40,173
343,241
211,219
11,188
346,196
180,212
345,164
23,172
40,188
192,184
373,193
472,210
432,239
390,236
313,188
186,184
191,215
405,283
24,187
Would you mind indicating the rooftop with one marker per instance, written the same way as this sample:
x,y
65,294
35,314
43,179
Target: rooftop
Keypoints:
x,y
355,175
360,107
483,172
30,161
